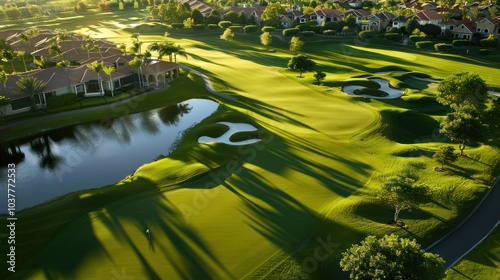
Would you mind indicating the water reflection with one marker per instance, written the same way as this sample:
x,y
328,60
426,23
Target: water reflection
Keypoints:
x,y
95,154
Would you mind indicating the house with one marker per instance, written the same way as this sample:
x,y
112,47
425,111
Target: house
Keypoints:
x,y
428,17
463,31
429,6
487,26
399,22
378,21
358,14
81,80
198,5
287,19
324,16
247,11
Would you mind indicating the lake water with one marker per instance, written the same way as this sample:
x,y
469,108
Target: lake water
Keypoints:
x,y
95,154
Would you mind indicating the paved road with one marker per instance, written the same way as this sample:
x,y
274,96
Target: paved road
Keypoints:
x,y
472,231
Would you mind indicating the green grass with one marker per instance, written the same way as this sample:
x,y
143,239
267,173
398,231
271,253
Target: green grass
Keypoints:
x,y
257,211
481,263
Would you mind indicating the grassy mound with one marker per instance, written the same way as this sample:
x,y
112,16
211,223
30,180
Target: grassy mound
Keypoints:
x,y
408,126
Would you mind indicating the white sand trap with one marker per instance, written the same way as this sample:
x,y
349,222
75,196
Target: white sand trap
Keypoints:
x,y
384,86
494,92
426,79
233,128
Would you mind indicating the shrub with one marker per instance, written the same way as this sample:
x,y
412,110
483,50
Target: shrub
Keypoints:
x,y
329,32
460,42
484,52
61,100
250,28
104,6
267,29
417,38
177,25
424,45
307,33
80,7
393,37
442,47
489,42
290,32
236,28
35,10
13,13
213,26
367,34
213,19
225,24
198,27
394,30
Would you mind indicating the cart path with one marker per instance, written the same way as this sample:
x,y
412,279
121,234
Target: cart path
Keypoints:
x,y
474,229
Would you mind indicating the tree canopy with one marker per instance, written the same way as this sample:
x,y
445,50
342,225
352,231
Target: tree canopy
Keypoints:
x,y
391,257
463,127
463,89
446,154
403,192
31,86
301,63
271,14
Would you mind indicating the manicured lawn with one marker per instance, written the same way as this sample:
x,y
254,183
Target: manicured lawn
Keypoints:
x,y
259,211
481,263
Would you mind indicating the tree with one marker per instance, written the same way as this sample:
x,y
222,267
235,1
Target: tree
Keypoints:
x,y
411,25
296,44
188,23
137,62
446,154
8,56
462,127
167,48
109,71
136,47
41,62
122,47
20,54
65,64
301,63
3,78
231,16
463,89
197,16
4,101
391,257
266,39
403,193
271,14
228,35
31,86
319,76
97,68
350,21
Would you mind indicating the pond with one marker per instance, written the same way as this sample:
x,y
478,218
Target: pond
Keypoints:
x,y
95,154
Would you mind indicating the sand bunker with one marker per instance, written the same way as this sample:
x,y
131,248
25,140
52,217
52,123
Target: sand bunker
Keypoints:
x,y
233,128
384,86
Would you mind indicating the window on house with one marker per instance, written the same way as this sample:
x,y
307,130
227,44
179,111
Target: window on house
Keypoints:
x,y
486,30
451,27
478,29
121,64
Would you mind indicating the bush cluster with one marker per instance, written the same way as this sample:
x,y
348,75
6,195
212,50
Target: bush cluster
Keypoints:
x,y
460,42
442,47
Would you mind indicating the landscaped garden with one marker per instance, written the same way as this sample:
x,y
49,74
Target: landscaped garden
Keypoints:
x,y
262,210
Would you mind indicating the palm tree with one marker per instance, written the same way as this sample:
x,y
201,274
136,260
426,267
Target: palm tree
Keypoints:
x,y
27,35
109,71
135,36
41,62
31,86
20,54
8,56
168,48
97,68
137,62
3,78
179,51
65,64
136,47
54,47
122,47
